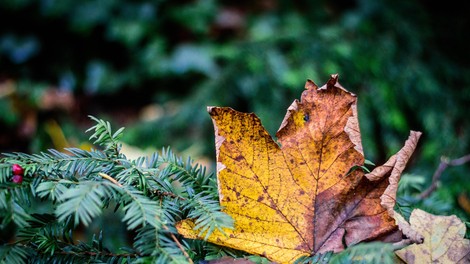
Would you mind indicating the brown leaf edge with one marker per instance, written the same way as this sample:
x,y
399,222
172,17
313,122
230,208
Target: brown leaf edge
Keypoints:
x,y
394,167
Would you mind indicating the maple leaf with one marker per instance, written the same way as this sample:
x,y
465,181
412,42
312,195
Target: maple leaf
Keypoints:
x,y
444,240
298,196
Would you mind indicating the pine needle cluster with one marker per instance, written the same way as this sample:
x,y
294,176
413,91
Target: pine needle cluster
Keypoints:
x,y
151,193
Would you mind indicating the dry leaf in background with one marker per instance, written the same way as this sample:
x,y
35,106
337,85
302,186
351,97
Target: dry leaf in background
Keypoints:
x,y
298,196
444,240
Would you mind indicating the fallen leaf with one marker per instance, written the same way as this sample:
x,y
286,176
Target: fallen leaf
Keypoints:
x,y
295,197
444,240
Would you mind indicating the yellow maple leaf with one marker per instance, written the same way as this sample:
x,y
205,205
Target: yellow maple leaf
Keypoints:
x,y
299,196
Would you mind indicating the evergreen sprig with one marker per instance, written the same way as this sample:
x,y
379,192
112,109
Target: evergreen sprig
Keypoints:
x,y
77,185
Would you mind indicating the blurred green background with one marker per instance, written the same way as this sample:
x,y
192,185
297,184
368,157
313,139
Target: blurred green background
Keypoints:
x,y
154,66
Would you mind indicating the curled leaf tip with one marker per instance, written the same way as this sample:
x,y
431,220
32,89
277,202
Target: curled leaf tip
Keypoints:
x,y
416,134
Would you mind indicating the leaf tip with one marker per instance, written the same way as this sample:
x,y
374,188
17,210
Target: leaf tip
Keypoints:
x,y
332,81
210,109
333,84
310,85
416,133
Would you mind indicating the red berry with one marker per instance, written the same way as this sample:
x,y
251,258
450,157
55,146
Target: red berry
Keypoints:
x,y
17,179
17,169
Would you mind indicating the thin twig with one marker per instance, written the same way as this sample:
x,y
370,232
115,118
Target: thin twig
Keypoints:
x,y
178,244
109,178
460,161
445,162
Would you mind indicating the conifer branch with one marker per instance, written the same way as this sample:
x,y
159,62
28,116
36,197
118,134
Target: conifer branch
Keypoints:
x,y
153,193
